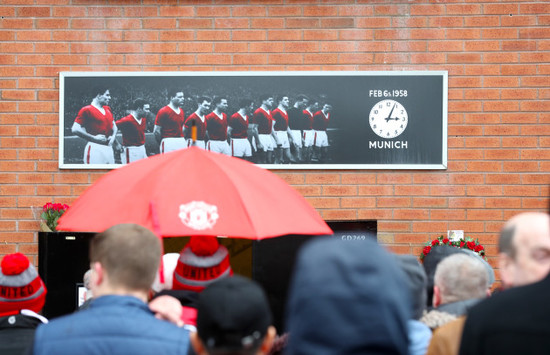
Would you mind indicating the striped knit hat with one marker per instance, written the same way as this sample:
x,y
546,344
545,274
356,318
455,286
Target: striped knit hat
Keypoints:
x,y
201,262
20,286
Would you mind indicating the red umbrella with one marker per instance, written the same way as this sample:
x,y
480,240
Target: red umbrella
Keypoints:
x,y
195,192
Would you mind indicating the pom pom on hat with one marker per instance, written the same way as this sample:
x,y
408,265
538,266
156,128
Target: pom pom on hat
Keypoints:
x,y
202,261
20,286
204,246
14,264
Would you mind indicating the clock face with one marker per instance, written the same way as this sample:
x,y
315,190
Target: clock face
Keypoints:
x,y
388,118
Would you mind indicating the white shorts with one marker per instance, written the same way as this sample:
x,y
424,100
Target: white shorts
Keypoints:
x,y
267,142
218,147
321,139
296,137
98,154
282,139
240,147
200,144
309,138
131,154
171,144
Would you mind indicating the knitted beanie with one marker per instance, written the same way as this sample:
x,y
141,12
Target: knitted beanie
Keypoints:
x,y
201,262
20,286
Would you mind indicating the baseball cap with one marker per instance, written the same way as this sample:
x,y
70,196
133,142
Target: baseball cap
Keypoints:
x,y
233,314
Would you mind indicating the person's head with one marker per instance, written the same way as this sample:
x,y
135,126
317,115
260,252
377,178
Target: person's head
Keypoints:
x,y
233,317
141,107
20,286
101,94
124,259
459,277
283,101
201,262
313,104
246,104
176,97
267,100
327,108
204,103
347,297
301,101
417,281
524,249
220,102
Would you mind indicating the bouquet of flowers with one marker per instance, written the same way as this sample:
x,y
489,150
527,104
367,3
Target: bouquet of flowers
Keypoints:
x,y
463,243
51,213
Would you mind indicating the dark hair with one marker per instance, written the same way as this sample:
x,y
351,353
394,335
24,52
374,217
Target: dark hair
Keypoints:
x,y
264,97
301,97
138,103
281,97
172,92
98,90
217,99
204,98
505,242
245,102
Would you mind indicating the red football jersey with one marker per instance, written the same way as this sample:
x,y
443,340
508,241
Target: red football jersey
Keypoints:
x,y
239,124
171,122
95,122
308,120
201,126
264,121
281,119
320,121
133,132
216,126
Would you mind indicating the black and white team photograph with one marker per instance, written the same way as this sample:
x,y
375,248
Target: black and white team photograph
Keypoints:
x,y
279,120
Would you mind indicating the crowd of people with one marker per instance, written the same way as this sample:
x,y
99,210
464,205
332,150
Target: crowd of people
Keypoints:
x,y
345,297
272,132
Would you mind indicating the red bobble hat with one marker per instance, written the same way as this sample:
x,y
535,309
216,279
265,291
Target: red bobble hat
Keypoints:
x,y
20,286
201,262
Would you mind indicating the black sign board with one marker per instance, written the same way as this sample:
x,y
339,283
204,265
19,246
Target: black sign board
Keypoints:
x,y
359,120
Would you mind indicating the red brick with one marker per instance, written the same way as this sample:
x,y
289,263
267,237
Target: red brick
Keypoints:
x,y
284,11
393,202
324,202
358,202
336,215
363,34
375,190
464,33
172,11
414,214
176,35
428,10
35,11
447,214
267,23
520,166
427,202
429,227
355,10
411,190
213,11
449,190
374,214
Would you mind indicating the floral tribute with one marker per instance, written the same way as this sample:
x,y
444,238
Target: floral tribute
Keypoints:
x,y
463,243
51,213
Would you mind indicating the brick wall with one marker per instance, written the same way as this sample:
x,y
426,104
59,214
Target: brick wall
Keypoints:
x,y
497,55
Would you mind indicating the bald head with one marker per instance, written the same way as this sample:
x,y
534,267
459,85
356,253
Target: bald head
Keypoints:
x,y
524,248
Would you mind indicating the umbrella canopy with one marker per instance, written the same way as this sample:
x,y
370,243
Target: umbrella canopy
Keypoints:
x,y
195,192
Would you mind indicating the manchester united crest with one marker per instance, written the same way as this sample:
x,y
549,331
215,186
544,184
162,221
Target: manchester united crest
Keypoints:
x,y
198,215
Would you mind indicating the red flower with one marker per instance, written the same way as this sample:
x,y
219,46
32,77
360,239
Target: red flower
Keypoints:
x,y
445,241
478,248
435,242
427,250
471,245
462,244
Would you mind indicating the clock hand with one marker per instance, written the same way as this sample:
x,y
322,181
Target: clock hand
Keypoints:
x,y
389,116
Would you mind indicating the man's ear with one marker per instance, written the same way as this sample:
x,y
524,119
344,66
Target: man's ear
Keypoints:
x,y
97,276
197,344
269,338
436,300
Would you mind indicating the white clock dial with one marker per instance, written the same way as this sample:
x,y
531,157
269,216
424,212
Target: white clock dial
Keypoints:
x,y
388,118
